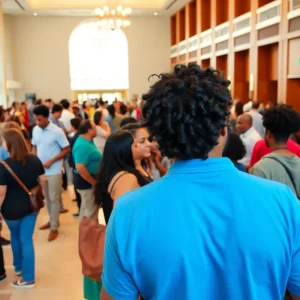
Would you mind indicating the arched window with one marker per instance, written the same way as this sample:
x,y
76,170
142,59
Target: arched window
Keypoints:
x,y
98,58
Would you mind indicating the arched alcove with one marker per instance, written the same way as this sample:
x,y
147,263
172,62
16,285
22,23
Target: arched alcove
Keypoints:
x,y
98,59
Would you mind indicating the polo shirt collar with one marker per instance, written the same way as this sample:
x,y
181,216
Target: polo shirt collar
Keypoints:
x,y
202,166
49,126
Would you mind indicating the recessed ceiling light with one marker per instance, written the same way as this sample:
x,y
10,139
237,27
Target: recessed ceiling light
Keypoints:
x,y
155,14
35,14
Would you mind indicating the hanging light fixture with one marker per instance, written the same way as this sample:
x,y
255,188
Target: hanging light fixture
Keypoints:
x,y
113,17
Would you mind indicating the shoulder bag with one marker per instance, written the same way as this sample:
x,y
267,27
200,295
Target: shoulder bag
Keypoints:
x,y
91,245
91,248
36,197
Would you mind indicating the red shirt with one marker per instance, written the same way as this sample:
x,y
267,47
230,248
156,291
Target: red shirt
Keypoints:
x,y
26,119
260,150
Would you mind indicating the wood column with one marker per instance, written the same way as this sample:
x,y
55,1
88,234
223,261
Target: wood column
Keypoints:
x,y
213,60
283,54
253,51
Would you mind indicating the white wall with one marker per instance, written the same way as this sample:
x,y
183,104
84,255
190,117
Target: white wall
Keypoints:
x,y
9,55
40,53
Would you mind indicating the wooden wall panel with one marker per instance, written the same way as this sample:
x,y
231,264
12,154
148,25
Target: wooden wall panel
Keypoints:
x,y
241,76
271,66
193,56
222,46
268,32
267,88
293,92
205,50
242,39
222,12
173,30
182,24
192,18
205,63
241,7
222,65
263,2
274,62
294,24
294,58
205,10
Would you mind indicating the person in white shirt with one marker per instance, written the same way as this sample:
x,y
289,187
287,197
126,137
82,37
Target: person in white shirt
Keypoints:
x,y
102,107
102,129
248,135
66,115
247,107
257,119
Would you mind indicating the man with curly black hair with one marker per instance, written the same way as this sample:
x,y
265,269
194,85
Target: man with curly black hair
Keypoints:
x,y
281,165
204,230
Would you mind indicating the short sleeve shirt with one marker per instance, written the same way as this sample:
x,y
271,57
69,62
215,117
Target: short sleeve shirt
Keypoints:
x,y
212,232
16,203
49,142
260,150
85,152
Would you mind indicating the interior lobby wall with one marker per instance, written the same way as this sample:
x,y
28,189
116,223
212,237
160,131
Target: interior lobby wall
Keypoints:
x,y
9,54
41,58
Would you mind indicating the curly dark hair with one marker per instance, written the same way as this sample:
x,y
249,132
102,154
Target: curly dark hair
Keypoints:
x,y
185,111
281,121
234,148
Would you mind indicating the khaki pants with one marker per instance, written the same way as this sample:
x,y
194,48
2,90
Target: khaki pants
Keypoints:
x,y
88,207
52,193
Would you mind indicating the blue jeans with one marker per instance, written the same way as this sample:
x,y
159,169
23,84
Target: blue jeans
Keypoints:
x,y
22,245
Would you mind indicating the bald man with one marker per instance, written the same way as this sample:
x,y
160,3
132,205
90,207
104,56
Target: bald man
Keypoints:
x,y
248,135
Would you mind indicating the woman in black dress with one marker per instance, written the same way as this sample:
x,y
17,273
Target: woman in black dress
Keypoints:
x,y
122,167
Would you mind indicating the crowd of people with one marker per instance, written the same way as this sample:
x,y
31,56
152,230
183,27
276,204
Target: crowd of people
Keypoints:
x,y
171,178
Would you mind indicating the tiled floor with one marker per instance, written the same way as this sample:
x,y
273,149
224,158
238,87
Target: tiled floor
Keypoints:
x,y
58,268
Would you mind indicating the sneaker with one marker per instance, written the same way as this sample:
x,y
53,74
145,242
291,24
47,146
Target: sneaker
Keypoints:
x,y
76,215
3,278
23,285
18,273
4,242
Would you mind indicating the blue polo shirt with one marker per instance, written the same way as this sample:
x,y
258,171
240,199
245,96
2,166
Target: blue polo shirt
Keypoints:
x,y
204,231
49,142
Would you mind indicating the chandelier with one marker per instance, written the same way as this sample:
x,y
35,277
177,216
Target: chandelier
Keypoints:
x,y
113,17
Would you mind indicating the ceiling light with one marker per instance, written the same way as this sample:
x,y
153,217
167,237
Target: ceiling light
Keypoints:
x,y
155,14
35,14
113,17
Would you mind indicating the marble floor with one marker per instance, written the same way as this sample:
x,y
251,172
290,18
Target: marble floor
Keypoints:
x,y
58,267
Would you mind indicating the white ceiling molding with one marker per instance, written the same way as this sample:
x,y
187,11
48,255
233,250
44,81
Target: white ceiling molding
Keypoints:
x,y
87,7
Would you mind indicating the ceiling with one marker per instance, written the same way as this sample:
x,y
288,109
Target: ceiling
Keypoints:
x,y
87,7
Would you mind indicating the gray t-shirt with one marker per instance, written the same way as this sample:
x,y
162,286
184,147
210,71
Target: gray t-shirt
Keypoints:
x,y
280,168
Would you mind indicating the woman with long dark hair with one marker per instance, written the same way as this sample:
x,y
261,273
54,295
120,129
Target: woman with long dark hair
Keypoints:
x,y
122,168
15,203
120,172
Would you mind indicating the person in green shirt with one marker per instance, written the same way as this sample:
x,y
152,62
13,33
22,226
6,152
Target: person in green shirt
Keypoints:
x,y
280,165
87,160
